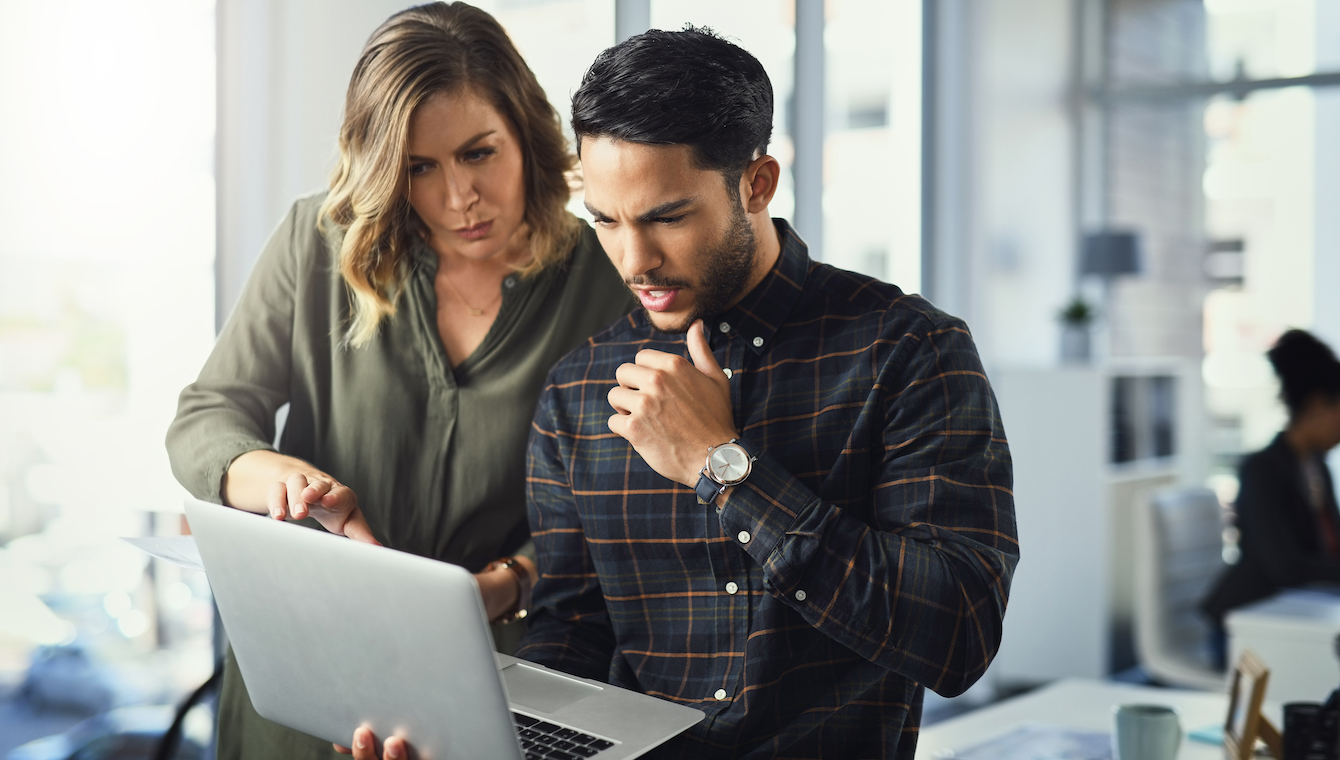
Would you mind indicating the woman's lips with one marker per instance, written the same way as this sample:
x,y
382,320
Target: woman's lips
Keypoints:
x,y
475,232
657,300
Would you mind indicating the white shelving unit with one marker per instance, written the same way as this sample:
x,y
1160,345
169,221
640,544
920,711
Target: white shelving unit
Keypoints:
x,y
1071,601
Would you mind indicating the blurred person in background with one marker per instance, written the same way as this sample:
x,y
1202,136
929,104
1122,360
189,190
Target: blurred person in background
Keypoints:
x,y
408,317
1288,524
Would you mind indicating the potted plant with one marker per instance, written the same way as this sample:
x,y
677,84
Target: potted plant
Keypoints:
x,y
1076,318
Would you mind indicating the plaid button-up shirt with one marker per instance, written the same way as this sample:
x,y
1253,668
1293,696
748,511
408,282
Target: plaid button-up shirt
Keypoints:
x,y
868,554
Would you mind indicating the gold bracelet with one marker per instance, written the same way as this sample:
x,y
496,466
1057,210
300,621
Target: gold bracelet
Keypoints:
x,y
523,588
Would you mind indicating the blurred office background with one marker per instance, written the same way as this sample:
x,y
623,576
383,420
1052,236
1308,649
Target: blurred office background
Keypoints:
x,y
1158,170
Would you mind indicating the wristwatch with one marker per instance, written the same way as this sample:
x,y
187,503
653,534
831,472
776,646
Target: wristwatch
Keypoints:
x,y
727,465
523,588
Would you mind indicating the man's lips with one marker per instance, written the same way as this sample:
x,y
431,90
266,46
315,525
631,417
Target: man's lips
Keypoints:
x,y
474,232
657,299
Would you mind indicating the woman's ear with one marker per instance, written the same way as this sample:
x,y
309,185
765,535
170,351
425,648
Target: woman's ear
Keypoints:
x,y
759,183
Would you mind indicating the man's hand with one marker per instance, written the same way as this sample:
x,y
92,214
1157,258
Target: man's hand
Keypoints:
x,y
672,411
365,747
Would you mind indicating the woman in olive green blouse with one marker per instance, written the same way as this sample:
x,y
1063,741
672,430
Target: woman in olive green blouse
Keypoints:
x,y
408,317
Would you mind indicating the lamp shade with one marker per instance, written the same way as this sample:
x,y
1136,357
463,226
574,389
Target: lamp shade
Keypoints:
x,y
1108,254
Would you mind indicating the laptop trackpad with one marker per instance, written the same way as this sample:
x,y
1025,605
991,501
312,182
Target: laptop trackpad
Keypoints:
x,y
542,690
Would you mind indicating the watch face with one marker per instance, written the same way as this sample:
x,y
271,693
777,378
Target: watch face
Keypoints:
x,y
729,464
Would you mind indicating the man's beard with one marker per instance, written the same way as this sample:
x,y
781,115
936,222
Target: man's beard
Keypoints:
x,y
722,273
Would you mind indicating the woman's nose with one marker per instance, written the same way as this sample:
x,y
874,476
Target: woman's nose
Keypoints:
x,y
461,192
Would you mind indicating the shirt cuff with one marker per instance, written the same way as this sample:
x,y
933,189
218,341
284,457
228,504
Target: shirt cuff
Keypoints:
x,y
761,515
223,456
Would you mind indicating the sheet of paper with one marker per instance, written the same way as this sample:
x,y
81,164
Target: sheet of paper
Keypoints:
x,y
1038,741
179,550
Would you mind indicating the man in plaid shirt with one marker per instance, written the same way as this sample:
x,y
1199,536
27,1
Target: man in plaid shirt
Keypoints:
x,y
780,493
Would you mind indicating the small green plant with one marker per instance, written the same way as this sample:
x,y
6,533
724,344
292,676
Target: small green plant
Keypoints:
x,y
1077,313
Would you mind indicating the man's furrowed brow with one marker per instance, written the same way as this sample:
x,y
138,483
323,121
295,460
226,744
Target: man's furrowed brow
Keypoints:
x,y
665,209
595,213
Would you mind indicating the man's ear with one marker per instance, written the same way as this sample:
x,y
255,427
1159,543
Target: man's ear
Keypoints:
x,y
759,183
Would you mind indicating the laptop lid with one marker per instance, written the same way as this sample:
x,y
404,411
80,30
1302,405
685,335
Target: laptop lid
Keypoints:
x,y
331,634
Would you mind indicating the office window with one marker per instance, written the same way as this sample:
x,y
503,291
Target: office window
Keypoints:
x,y
106,311
872,150
559,39
766,28
1261,213
1260,39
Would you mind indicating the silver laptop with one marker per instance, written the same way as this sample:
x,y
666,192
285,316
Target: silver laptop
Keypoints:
x,y
331,634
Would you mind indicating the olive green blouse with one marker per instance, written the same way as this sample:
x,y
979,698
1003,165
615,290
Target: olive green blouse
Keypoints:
x,y
436,455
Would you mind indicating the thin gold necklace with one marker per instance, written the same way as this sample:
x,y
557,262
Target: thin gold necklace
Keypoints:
x,y
473,311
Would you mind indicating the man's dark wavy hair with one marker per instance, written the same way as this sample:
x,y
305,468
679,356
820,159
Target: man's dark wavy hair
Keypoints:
x,y
690,87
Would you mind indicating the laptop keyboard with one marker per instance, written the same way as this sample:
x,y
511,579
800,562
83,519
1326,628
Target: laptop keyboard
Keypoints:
x,y
542,740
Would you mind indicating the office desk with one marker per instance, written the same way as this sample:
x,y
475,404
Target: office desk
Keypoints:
x,y
1078,704
1294,634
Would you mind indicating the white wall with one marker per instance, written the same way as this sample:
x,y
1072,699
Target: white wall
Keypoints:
x,y
1003,224
1022,260
283,69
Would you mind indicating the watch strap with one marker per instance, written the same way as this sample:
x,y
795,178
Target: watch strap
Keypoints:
x,y
707,489
524,587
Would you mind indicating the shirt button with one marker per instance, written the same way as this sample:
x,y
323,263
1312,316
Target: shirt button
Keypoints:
x,y
758,342
724,326
800,595
744,536
732,587
728,372
509,282
721,694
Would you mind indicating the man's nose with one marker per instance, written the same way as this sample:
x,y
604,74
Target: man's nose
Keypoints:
x,y
640,255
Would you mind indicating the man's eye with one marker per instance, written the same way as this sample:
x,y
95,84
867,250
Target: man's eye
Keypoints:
x,y
667,220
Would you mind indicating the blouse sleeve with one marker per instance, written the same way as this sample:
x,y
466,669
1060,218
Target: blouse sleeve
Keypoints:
x,y
230,409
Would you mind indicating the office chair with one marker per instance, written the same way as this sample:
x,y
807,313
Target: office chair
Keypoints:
x,y
1178,556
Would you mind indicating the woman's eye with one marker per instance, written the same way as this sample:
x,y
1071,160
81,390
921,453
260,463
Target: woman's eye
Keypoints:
x,y
417,169
478,154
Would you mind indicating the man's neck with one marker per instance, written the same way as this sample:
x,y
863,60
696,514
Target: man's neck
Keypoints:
x,y
769,249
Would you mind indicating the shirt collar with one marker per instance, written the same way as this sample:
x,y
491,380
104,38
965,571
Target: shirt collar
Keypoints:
x,y
756,318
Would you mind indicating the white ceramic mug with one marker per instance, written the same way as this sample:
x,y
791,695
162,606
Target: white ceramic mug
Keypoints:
x,y
1146,732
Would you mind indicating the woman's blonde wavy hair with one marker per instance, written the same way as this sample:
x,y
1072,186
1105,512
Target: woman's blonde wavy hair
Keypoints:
x,y
414,55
